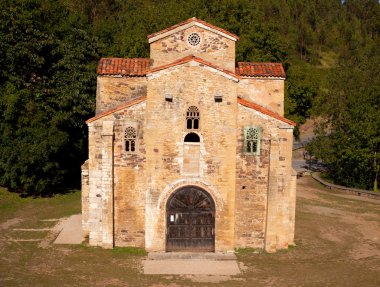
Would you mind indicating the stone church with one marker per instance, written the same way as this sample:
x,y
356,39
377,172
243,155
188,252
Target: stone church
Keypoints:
x,y
189,150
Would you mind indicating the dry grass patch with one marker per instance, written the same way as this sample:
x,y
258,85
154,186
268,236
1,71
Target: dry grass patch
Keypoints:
x,y
337,244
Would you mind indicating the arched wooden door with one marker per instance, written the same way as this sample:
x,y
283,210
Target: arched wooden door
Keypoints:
x,y
190,217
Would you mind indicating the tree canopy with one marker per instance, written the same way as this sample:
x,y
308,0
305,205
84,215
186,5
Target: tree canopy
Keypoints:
x,y
49,52
348,136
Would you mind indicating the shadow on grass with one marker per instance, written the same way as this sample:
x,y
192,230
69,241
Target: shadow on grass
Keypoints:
x,y
130,251
134,251
248,250
30,194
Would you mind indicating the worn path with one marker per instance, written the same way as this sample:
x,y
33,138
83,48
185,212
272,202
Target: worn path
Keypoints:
x,y
71,231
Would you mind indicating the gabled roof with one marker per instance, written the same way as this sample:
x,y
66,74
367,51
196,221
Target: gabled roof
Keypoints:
x,y
196,59
187,24
265,111
121,107
139,67
123,67
248,69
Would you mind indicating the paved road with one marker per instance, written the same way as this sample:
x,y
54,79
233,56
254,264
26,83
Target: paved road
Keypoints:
x,y
299,165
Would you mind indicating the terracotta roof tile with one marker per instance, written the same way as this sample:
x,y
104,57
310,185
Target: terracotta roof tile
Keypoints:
x,y
194,19
122,66
140,67
265,111
193,58
111,111
247,69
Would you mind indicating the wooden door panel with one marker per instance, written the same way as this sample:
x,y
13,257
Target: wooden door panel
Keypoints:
x,y
190,221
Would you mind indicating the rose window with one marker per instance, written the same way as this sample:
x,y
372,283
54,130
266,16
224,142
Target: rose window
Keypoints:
x,y
194,39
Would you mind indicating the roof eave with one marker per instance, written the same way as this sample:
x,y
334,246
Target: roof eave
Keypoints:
x,y
114,110
265,111
263,77
120,75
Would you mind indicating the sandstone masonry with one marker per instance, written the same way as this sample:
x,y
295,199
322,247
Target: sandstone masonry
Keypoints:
x,y
189,118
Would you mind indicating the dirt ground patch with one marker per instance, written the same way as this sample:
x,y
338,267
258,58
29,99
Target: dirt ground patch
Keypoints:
x,y
10,222
337,244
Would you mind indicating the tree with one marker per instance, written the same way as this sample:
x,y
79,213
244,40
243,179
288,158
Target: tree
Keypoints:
x,y
348,139
49,51
47,82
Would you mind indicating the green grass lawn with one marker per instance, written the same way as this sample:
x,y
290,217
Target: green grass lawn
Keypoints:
x,y
11,205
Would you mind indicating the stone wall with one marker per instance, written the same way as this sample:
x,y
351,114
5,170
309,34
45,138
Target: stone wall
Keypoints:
x,y
125,194
95,183
251,182
130,181
128,192
85,198
265,192
190,84
268,93
113,91
281,191
117,183
213,48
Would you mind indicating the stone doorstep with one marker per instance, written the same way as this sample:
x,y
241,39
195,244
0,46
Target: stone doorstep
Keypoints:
x,y
217,256
191,267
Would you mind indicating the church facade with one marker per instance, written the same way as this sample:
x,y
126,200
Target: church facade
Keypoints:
x,y
188,150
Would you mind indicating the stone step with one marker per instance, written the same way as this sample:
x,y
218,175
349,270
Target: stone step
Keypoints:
x,y
32,229
217,256
24,240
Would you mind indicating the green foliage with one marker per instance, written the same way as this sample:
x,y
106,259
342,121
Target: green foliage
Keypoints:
x,y
49,52
301,87
348,138
47,81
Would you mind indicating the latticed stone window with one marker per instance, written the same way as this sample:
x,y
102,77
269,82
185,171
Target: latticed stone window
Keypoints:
x,y
194,39
130,137
192,118
252,136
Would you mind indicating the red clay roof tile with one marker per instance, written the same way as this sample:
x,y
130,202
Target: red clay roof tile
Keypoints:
x,y
265,111
123,66
247,69
194,19
140,67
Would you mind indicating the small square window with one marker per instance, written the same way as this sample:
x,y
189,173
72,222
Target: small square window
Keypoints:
x,y
169,98
218,99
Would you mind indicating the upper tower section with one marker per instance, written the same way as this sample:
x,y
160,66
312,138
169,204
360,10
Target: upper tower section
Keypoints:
x,y
193,37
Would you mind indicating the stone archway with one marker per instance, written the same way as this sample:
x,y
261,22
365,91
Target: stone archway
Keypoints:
x,y
190,218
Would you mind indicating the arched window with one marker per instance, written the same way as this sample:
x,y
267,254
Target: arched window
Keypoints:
x,y
192,118
252,140
130,137
192,138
